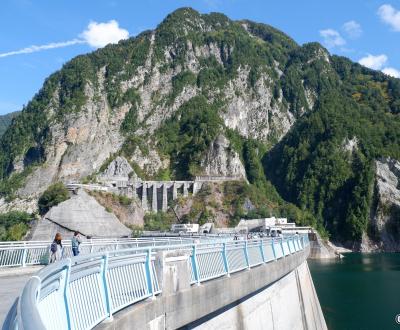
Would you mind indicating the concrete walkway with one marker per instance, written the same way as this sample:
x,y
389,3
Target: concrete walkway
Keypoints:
x,y
12,281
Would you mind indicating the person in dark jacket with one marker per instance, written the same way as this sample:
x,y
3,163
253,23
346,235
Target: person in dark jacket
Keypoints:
x,y
75,242
56,249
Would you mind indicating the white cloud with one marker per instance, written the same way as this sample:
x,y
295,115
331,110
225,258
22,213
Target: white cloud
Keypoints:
x,y
35,48
352,29
392,72
375,62
96,35
378,62
332,38
101,34
390,16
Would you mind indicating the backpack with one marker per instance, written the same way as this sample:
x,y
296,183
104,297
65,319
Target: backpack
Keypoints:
x,y
53,247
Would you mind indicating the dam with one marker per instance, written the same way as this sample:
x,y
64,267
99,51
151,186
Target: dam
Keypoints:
x,y
203,284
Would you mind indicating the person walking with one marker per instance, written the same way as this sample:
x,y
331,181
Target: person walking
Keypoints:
x,y
75,242
56,249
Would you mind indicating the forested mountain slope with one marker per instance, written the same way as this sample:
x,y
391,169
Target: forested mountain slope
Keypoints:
x,y
5,121
307,127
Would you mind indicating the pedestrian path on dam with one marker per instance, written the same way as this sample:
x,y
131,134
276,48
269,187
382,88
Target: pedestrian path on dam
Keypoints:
x,y
12,281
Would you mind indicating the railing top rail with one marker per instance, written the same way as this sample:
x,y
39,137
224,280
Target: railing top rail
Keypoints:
x,y
27,244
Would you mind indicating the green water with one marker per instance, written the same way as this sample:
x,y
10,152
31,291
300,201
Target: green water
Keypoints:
x,y
360,291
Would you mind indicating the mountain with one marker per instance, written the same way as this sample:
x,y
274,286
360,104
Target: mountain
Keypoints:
x,y
5,121
205,95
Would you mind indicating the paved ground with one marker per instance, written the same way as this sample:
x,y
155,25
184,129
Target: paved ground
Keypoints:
x,y
12,281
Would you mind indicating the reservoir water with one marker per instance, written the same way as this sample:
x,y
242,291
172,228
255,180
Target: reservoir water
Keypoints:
x,y
359,291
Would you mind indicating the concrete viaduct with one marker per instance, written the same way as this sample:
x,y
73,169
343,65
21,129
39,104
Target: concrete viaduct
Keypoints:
x,y
153,195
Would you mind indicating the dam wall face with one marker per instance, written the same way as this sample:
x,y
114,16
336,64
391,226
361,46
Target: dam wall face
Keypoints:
x,y
289,303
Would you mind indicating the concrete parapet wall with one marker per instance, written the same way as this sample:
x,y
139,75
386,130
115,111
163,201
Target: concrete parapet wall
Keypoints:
x,y
289,303
285,282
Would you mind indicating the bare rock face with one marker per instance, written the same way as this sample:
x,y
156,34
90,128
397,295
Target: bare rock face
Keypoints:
x,y
149,162
222,160
29,205
251,111
80,143
120,169
386,217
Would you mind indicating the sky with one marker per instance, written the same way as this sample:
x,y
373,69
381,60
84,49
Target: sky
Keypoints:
x,y
38,36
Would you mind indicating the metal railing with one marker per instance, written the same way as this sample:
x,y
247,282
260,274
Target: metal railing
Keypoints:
x,y
28,253
80,292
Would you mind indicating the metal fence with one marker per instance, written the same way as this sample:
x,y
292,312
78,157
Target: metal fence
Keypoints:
x,y
28,253
78,293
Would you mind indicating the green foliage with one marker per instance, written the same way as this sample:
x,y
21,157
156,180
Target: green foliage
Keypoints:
x,y
14,225
130,145
311,168
54,195
188,134
158,221
181,80
164,174
137,231
5,121
10,185
130,123
125,201
201,210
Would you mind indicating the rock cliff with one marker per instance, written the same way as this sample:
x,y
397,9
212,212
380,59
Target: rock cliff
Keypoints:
x,y
222,160
385,216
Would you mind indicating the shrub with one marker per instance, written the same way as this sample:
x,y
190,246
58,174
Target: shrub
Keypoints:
x,y
54,195
158,221
14,225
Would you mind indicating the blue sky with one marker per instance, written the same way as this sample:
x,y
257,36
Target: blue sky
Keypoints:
x,y
39,36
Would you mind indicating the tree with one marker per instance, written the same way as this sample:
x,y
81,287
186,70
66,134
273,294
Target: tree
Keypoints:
x,y
55,194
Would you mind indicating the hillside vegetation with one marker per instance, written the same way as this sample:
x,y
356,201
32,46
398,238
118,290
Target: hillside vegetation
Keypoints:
x,y
307,126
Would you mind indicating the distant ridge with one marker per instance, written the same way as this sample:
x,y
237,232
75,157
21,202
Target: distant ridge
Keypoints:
x,y
5,121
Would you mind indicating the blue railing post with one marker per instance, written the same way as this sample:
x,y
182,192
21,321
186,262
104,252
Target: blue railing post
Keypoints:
x,y
262,250
246,254
24,255
273,249
224,257
194,265
283,250
66,294
105,286
149,273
